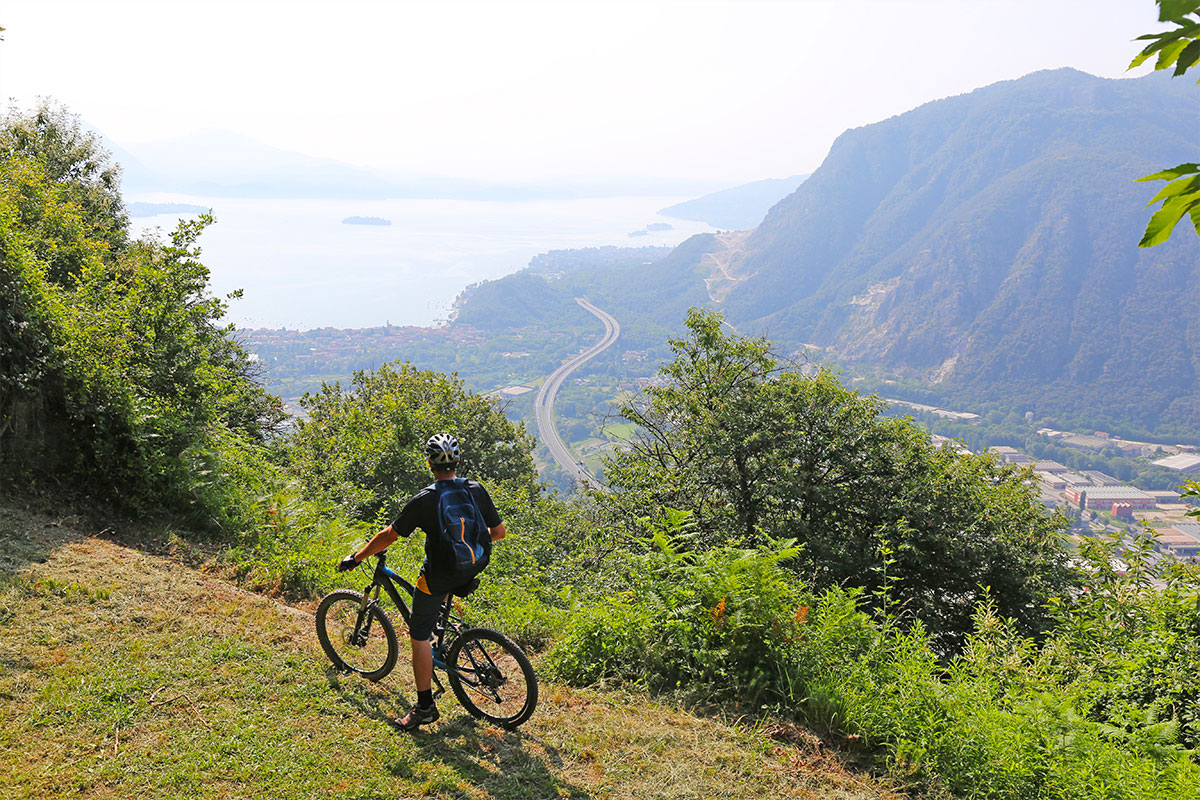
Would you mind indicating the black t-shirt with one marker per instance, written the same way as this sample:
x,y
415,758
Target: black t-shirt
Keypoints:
x,y
422,512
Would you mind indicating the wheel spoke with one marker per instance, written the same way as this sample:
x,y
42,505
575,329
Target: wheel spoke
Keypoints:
x,y
364,646
492,677
354,639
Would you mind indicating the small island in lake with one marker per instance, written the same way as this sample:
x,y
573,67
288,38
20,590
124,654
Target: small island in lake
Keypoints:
x,y
653,226
366,221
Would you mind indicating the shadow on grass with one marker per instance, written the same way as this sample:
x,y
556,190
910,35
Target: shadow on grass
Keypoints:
x,y
30,538
32,529
505,764
377,703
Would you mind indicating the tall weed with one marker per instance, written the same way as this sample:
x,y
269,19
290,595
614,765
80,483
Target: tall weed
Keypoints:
x,y
1102,709
291,545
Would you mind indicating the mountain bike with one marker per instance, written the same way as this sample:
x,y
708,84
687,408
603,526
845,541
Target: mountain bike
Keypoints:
x,y
490,675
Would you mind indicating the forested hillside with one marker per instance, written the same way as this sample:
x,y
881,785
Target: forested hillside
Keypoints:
x,y
118,378
983,246
987,243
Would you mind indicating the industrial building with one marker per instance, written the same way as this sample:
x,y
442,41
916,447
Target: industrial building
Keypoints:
x,y
1101,498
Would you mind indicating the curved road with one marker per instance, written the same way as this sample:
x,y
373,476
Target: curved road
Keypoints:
x,y
543,405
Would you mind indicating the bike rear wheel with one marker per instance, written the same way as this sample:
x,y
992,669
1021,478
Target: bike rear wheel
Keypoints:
x,y
492,677
356,640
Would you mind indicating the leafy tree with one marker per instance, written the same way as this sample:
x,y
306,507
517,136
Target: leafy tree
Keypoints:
x,y
116,376
364,447
75,163
759,452
703,437
1177,48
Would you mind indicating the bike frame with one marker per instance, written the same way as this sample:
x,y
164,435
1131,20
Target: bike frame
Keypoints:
x,y
387,579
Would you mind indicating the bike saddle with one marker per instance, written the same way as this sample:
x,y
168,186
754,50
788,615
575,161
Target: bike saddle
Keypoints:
x,y
466,588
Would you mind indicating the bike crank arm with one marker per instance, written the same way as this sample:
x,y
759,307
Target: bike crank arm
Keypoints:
x,y
439,690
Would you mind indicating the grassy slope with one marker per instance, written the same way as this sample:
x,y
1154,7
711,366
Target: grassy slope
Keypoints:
x,y
126,674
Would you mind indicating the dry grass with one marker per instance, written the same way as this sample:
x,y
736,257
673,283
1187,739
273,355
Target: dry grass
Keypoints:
x,y
125,674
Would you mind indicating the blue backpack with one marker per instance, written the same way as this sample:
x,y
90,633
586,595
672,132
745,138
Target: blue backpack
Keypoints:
x,y
463,530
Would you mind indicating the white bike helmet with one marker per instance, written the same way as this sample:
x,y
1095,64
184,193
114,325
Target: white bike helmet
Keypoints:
x,y
442,450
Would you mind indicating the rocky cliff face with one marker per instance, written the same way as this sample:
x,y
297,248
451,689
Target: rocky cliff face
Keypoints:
x,y
987,243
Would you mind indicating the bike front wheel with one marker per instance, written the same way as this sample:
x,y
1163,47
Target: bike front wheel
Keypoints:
x,y
492,677
356,639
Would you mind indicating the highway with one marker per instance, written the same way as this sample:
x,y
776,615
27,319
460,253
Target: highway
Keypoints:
x,y
543,405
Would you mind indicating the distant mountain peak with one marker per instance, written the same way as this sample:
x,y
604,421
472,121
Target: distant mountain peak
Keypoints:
x,y
984,245
987,243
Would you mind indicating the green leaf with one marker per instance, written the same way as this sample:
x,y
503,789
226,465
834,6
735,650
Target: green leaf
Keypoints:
x,y
1189,56
1172,173
1175,188
1139,58
1176,10
1162,40
1160,226
1167,55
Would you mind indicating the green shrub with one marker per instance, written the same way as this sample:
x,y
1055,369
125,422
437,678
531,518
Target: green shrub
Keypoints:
x,y
759,451
719,622
292,546
118,380
1008,718
363,448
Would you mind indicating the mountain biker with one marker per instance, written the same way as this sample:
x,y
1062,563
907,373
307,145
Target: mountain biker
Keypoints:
x,y
437,579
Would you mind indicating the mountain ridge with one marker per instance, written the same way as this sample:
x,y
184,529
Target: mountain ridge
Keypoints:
x,y
736,208
983,246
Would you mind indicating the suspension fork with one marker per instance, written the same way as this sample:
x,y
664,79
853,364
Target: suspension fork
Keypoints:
x,y
367,599
362,625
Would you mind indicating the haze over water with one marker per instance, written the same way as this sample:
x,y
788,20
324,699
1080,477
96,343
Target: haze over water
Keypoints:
x,y
301,267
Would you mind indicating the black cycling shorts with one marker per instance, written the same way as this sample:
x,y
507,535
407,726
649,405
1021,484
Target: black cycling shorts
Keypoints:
x,y
425,610
427,604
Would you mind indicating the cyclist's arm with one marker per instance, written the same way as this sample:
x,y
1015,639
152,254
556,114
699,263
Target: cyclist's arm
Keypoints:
x,y
379,542
497,532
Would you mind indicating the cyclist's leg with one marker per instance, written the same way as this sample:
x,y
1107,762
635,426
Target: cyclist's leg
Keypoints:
x,y
426,607
425,610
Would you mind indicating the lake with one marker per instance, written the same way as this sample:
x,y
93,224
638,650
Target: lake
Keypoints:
x,y
300,267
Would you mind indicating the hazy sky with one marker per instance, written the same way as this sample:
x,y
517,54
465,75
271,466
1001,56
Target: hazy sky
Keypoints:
x,y
724,91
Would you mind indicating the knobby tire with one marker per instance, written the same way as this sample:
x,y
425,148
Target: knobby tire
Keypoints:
x,y
492,677
374,656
